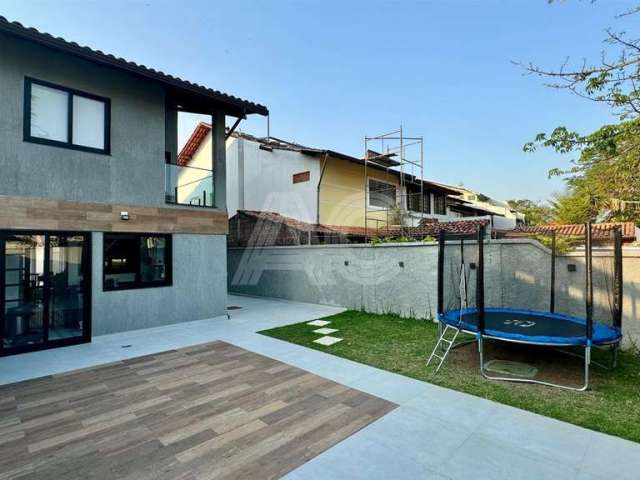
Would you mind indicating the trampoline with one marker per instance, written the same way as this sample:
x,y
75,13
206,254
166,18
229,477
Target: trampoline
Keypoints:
x,y
493,296
530,326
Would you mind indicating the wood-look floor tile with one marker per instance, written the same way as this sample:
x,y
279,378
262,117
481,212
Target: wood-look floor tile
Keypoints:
x,y
203,412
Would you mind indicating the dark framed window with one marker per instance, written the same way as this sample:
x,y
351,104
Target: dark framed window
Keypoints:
x,y
64,117
439,204
381,194
420,202
136,261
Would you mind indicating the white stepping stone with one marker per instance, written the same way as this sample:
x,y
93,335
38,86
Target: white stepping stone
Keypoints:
x,y
326,331
327,341
319,323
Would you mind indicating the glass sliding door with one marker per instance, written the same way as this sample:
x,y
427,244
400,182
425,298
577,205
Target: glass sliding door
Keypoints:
x,y
24,316
44,290
66,286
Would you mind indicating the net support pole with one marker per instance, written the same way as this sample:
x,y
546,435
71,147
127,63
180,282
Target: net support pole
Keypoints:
x,y
480,281
552,294
617,277
440,273
588,252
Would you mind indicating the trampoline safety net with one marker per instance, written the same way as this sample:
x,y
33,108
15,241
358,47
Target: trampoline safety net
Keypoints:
x,y
542,288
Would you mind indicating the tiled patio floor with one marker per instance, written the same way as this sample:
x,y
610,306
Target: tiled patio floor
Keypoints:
x,y
213,411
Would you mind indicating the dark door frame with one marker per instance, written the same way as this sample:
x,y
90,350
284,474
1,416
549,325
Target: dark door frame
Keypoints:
x,y
87,286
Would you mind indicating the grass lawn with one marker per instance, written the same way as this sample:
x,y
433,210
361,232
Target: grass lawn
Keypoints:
x,y
401,345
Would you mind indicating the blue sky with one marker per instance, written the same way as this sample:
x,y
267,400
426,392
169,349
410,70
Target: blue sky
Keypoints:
x,y
331,72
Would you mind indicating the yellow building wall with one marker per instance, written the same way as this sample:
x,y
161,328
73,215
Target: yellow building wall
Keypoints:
x,y
343,194
192,182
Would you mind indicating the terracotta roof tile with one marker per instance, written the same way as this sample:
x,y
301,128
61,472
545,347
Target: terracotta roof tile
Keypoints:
x,y
599,230
288,221
458,227
191,147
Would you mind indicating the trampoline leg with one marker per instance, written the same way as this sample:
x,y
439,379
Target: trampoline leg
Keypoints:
x,y
587,363
481,353
584,387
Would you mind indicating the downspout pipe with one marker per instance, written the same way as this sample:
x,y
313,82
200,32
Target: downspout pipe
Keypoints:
x,y
324,166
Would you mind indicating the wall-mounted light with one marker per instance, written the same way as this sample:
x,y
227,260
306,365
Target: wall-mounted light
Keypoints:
x,y
346,263
124,215
401,264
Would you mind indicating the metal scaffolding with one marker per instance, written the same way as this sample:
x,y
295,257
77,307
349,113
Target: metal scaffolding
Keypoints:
x,y
402,156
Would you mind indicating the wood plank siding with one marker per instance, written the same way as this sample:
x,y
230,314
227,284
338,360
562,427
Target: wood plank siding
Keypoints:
x,y
43,214
213,411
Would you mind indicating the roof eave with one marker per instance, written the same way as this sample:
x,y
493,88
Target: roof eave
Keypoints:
x,y
230,105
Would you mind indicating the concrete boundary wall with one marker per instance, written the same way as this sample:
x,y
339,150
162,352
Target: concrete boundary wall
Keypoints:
x,y
402,278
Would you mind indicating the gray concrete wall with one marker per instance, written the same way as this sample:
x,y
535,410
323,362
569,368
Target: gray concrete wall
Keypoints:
x,y
372,280
516,275
133,173
198,291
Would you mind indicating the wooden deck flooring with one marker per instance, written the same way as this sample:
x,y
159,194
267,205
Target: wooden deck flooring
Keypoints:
x,y
210,411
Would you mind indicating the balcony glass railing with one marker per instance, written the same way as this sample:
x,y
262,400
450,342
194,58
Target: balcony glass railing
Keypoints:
x,y
186,185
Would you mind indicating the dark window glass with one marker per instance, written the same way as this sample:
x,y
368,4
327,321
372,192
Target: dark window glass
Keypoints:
x,y
381,194
136,261
439,205
415,205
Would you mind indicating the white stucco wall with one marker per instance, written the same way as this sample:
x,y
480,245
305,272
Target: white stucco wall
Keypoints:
x,y
262,180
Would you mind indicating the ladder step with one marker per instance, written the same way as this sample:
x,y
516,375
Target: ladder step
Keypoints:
x,y
442,340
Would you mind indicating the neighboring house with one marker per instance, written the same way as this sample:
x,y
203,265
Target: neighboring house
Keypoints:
x,y
468,203
93,238
316,186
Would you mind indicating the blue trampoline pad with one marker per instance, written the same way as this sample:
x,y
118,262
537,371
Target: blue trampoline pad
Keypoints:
x,y
530,326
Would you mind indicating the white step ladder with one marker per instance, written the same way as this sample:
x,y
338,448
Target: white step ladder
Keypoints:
x,y
445,342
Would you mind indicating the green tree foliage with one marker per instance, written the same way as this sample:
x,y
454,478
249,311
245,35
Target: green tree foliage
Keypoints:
x,y
536,213
573,207
606,176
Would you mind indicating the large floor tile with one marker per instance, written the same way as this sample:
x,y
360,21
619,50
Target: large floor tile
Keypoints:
x,y
395,388
612,458
358,458
454,407
427,440
484,458
544,436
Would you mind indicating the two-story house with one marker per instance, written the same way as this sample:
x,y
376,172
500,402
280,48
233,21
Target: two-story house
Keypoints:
x,y
316,186
95,234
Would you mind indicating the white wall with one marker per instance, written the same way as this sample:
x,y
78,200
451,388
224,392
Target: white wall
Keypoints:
x,y
262,180
504,223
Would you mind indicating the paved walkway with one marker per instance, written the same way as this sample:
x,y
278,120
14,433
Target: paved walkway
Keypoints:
x,y
434,434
